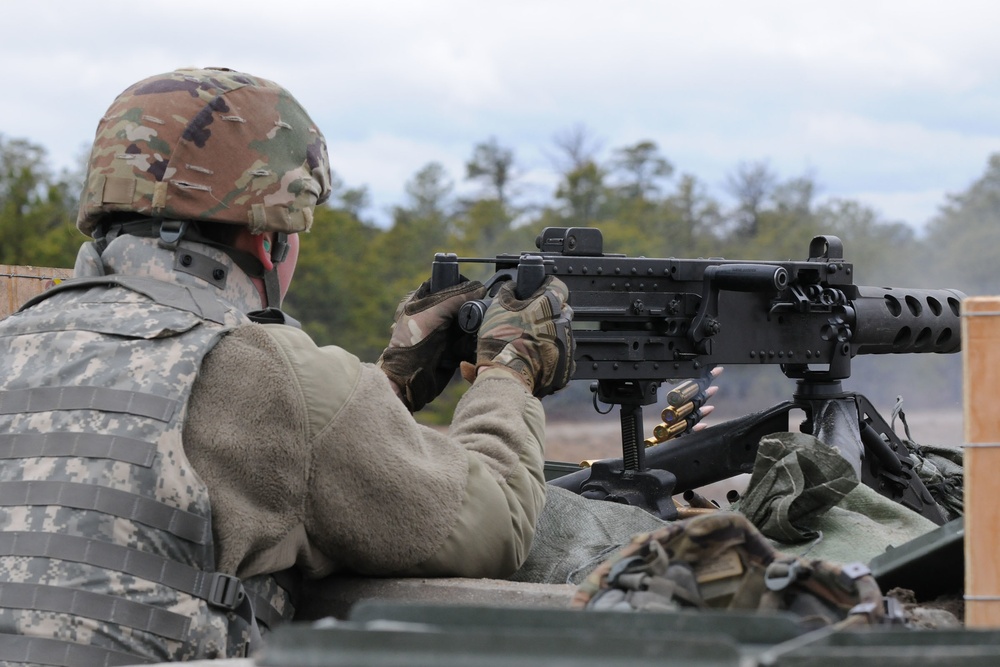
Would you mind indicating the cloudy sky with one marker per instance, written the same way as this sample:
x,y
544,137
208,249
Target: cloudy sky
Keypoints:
x,y
894,103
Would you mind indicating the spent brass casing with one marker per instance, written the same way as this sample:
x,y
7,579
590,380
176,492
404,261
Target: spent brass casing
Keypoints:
x,y
695,499
691,512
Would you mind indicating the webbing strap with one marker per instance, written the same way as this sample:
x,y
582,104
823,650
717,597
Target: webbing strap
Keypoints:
x,y
44,399
109,556
272,289
60,653
86,445
97,606
170,573
118,503
264,611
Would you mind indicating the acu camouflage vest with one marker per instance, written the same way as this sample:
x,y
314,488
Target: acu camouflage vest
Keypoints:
x,y
106,553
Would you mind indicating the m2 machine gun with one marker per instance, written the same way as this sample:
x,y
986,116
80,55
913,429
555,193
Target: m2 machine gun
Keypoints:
x,y
639,322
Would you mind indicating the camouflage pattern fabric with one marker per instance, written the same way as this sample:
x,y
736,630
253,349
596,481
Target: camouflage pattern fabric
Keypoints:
x,y
101,512
273,602
530,336
575,534
942,471
795,477
721,561
207,144
426,345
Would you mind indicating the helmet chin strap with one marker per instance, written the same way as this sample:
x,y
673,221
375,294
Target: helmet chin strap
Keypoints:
x,y
272,289
278,254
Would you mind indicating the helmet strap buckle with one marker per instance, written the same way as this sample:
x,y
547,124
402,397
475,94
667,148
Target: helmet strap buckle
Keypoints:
x,y
280,251
171,233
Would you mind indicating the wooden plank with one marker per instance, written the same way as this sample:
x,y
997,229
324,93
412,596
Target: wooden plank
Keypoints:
x,y
20,283
981,378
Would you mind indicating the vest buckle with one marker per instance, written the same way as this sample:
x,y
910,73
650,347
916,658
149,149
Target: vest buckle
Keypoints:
x,y
226,591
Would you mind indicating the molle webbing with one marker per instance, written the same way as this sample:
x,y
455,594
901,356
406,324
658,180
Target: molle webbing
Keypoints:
x,y
69,443
43,651
195,582
213,587
104,495
122,504
95,606
44,399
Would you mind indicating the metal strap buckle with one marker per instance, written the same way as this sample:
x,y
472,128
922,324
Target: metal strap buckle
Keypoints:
x,y
280,252
781,574
226,591
171,233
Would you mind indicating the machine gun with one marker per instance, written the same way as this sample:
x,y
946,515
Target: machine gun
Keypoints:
x,y
639,322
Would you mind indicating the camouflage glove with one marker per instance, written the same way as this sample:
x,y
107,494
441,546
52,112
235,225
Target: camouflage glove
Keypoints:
x,y
426,345
532,336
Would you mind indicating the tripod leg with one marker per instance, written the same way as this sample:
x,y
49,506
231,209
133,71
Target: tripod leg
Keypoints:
x,y
852,425
889,468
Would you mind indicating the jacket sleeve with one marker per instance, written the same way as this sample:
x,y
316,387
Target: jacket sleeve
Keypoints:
x,y
386,495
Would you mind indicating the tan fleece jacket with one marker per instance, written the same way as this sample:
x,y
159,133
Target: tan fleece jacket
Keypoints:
x,y
312,460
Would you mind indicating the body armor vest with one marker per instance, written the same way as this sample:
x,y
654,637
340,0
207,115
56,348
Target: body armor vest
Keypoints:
x,y
106,552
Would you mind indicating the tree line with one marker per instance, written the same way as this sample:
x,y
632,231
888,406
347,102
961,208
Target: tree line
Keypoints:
x,y
352,272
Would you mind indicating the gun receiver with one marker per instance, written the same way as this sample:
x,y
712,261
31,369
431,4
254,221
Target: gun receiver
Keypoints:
x,y
641,321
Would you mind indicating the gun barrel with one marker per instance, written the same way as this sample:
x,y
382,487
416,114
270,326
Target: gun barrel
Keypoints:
x,y
895,320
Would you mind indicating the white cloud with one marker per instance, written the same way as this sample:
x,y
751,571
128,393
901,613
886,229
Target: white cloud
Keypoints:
x,y
896,99
385,163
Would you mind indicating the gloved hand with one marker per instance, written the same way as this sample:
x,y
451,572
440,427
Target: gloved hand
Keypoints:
x,y
531,337
426,345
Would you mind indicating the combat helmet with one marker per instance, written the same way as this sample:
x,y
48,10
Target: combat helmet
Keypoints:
x,y
206,145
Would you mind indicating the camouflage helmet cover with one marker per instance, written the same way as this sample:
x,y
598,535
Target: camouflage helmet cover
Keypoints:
x,y
207,144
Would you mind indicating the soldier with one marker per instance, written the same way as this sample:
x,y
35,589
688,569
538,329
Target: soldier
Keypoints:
x,y
175,451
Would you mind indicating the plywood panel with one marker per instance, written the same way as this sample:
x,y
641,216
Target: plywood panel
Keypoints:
x,y
981,400
20,283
